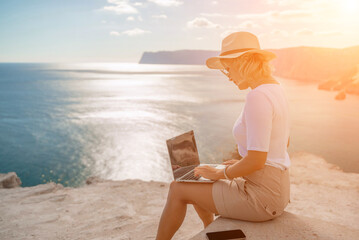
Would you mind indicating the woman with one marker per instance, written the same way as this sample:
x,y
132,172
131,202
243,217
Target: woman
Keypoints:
x,y
257,187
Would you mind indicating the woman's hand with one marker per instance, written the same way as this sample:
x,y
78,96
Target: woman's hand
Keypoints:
x,y
208,172
230,162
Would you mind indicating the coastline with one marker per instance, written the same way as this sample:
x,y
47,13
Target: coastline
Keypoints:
x,y
130,209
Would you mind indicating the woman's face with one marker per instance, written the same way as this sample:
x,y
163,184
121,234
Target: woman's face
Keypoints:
x,y
230,66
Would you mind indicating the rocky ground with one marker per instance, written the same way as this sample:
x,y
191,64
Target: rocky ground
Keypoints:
x,y
105,209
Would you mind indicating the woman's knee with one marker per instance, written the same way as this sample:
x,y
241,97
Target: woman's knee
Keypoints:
x,y
176,192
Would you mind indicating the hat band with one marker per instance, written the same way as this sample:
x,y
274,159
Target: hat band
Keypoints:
x,y
236,51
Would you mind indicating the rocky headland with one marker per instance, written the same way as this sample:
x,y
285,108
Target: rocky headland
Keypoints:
x,y
333,69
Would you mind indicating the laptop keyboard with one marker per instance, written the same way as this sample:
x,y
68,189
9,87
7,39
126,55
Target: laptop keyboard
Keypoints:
x,y
190,176
183,170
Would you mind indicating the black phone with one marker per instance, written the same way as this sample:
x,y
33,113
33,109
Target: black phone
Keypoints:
x,y
224,235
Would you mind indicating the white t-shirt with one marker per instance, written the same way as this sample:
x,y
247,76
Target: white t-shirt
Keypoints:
x,y
264,124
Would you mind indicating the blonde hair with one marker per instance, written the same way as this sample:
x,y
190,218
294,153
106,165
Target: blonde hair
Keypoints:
x,y
252,67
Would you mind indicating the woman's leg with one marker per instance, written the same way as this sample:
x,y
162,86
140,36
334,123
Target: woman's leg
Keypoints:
x,y
179,195
206,216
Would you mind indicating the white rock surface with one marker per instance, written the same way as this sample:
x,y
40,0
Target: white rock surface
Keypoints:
x,y
288,226
131,209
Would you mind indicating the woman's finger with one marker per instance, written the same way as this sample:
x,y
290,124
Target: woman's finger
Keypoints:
x,y
202,167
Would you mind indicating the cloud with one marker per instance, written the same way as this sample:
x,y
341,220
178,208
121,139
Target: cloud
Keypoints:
x,y
162,16
308,32
279,33
298,3
201,22
131,33
135,32
248,24
284,2
288,14
137,4
130,18
304,32
213,15
253,15
278,15
244,25
120,7
167,3
214,2
330,33
274,35
114,33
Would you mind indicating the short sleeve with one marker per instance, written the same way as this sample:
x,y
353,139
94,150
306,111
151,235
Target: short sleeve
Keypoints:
x,y
258,113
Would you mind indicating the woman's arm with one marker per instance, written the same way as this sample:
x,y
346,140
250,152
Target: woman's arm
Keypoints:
x,y
254,161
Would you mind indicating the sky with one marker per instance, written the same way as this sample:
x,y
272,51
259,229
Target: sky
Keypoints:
x,y
121,30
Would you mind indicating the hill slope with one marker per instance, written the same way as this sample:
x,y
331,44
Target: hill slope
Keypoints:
x,y
333,68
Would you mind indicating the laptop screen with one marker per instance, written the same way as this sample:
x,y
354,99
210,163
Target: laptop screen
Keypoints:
x,y
183,152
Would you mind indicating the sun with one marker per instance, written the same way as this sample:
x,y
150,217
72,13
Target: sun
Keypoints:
x,y
349,6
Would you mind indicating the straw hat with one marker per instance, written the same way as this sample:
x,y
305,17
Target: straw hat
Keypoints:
x,y
235,45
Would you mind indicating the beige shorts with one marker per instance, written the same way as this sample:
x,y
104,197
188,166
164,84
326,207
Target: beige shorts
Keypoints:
x,y
259,196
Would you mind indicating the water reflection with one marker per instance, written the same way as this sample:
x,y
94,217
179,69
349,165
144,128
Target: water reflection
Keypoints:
x,y
68,125
128,118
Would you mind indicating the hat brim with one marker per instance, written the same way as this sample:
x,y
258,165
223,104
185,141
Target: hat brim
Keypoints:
x,y
215,63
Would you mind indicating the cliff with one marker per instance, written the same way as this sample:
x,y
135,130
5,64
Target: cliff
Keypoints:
x,y
332,68
315,63
104,209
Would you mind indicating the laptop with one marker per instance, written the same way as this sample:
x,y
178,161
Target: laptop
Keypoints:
x,y
183,155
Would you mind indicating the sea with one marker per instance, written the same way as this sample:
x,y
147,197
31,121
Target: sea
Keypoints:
x,y
65,122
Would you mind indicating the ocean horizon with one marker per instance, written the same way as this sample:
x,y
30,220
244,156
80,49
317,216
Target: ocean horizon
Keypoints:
x,y
64,122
